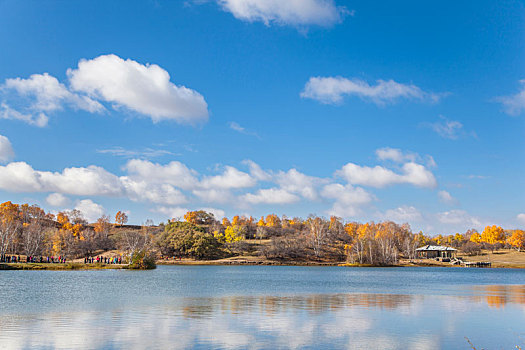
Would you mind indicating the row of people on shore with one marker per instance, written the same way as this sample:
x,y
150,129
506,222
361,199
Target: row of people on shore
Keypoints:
x,y
103,259
33,259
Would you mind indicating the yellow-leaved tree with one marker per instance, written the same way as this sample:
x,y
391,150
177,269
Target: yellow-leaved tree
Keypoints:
x,y
475,237
234,234
493,234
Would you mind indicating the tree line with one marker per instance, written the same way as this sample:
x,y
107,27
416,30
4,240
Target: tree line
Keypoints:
x,y
28,229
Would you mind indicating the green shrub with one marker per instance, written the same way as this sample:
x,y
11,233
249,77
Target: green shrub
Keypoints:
x,y
142,260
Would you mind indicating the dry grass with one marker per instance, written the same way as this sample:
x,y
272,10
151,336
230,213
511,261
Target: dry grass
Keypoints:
x,y
501,258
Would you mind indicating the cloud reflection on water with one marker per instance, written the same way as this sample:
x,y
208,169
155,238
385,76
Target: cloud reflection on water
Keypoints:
x,y
350,321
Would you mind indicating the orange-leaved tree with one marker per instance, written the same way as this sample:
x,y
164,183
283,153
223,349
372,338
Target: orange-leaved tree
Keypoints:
x,y
517,240
121,218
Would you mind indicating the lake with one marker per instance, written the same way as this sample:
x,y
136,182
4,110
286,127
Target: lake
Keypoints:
x,y
263,307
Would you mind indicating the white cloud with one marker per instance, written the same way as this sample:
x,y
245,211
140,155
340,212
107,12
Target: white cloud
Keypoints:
x,y
6,149
395,155
296,182
230,178
156,193
271,196
145,89
47,95
257,172
50,94
514,104
458,218
37,119
521,218
331,90
446,128
93,180
289,12
172,212
90,210
446,197
174,173
57,200
214,195
348,199
378,176
403,214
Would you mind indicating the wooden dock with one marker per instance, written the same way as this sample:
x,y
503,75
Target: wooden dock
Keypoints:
x,y
478,264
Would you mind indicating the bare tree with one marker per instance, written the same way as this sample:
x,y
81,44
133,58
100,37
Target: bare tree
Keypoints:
x,y
318,232
134,241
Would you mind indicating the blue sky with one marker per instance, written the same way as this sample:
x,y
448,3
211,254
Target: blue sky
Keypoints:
x,y
405,111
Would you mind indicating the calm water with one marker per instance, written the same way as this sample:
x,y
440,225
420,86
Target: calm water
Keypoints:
x,y
263,307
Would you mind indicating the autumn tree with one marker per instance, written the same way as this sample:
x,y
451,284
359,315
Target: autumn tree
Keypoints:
x,y
517,240
475,237
35,229
493,234
273,220
234,234
66,237
226,222
199,217
121,218
10,224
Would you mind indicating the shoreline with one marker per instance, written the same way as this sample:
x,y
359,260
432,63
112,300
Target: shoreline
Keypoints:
x,y
59,266
227,262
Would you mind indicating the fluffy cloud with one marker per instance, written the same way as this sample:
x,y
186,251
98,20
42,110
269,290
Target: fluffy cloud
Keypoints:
x,y
257,172
212,195
296,182
174,173
290,12
6,149
331,90
347,199
93,180
37,119
156,193
172,212
378,176
46,94
403,214
271,196
230,178
145,89
90,210
514,104
57,200
521,218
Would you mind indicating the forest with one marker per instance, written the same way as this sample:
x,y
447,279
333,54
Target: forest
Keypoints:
x,y
28,230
